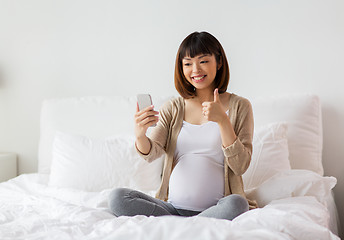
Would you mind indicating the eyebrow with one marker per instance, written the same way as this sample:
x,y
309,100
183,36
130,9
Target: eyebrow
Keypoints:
x,y
204,55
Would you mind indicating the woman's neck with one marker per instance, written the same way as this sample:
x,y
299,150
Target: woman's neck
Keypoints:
x,y
205,95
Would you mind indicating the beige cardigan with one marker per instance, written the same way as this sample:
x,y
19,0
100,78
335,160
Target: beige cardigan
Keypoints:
x,y
237,156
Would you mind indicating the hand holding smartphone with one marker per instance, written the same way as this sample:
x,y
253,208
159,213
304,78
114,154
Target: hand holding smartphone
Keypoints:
x,y
145,117
144,101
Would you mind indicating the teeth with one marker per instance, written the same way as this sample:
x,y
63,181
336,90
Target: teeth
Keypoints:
x,y
198,78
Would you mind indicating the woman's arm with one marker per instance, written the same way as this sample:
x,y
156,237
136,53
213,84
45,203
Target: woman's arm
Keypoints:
x,y
151,148
238,153
236,140
143,145
143,120
213,111
228,135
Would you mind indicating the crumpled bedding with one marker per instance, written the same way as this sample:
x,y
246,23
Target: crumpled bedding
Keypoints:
x,y
30,209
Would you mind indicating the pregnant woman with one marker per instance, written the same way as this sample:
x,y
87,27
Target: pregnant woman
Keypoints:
x,y
206,134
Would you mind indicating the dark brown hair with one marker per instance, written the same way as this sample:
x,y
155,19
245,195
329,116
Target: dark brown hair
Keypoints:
x,y
193,45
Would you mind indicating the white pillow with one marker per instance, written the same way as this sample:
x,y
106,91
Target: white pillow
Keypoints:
x,y
302,112
293,183
93,116
269,156
96,164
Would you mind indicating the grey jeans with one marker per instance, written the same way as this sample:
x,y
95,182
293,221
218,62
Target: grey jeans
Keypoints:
x,y
128,202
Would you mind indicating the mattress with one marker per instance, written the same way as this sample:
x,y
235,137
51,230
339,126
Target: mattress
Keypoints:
x,y
30,209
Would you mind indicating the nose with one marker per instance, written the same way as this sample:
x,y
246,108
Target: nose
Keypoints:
x,y
195,68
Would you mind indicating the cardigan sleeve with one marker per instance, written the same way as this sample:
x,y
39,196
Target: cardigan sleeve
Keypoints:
x,y
159,135
238,155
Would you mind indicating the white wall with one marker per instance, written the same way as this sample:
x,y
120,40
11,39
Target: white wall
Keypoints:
x,y
82,47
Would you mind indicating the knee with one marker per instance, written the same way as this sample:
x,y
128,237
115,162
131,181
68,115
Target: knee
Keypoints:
x,y
116,200
237,202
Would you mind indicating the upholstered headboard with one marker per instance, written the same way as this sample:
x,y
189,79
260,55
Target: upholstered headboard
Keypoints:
x,y
100,117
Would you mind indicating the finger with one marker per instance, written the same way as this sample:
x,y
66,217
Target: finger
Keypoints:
x,y
149,108
144,119
143,115
216,95
137,107
149,121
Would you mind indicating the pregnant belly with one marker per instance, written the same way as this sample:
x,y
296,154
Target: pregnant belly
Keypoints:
x,y
196,183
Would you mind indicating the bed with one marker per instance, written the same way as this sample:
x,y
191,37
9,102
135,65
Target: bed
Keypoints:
x,y
86,149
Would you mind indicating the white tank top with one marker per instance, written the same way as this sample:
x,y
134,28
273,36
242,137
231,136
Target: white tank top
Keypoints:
x,y
197,180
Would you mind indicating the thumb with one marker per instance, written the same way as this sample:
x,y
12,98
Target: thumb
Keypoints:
x,y
137,107
216,95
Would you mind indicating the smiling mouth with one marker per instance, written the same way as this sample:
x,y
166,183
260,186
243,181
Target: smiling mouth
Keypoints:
x,y
198,78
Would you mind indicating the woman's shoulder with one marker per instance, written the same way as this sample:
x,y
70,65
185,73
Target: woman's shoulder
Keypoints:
x,y
239,101
173,102
172,105
241,109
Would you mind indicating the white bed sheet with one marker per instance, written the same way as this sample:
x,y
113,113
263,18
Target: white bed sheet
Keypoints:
x,y
29,209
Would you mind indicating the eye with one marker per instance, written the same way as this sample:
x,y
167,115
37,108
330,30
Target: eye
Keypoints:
x,y
204,61
187,64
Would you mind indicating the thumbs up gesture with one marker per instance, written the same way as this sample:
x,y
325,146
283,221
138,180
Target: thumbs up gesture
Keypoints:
x,y
213,111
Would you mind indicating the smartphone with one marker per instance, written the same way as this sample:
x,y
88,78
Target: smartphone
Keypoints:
x,y
144,100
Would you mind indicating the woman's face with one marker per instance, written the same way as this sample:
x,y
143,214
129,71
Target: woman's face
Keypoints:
x,y
200,70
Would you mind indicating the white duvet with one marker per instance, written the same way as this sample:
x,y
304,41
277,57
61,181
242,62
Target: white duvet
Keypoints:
x,y
29,209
